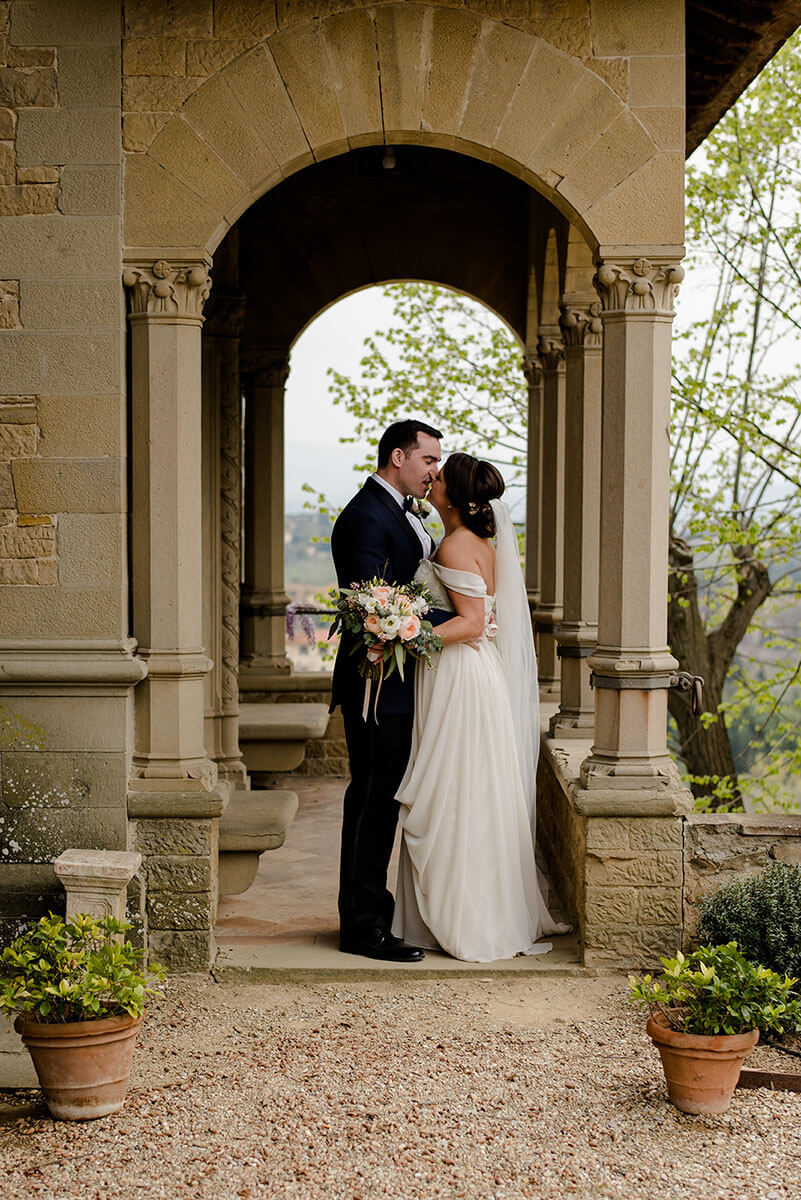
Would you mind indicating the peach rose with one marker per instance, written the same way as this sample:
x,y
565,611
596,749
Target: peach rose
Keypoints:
x,y
373,624
410,627
382,594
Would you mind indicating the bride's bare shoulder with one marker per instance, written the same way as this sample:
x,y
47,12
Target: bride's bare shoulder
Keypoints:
x,y
459,551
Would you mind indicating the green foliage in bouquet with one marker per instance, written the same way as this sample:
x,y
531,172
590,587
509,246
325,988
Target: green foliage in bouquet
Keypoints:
x,y
717,990
75,970
763,914
385,621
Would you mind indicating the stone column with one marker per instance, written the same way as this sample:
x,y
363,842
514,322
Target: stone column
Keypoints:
x,y
548,613
222,464
264,598
532,369
577,635
173,797
632,664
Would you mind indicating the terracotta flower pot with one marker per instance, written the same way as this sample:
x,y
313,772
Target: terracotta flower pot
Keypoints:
x,y
701,1070
83,1067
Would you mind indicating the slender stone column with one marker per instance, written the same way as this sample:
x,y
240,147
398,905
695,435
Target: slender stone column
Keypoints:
x,y
577,635
222,465
533,372
632,663
264,598
166,306
548,613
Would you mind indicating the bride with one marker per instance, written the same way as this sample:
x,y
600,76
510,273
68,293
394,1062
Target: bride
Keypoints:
x,y
467,879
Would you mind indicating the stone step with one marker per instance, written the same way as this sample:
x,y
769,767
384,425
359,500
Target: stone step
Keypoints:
x,y
253,822
273,737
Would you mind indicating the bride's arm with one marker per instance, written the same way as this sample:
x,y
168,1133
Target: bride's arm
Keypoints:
x,y
468,624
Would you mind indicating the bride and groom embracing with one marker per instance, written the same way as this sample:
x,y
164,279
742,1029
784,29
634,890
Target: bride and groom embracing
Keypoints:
x,y
451,752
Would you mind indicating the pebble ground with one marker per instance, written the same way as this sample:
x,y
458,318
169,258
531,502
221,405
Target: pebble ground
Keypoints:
x,y
490,1089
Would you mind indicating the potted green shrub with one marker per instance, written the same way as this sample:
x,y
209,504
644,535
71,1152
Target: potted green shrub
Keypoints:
x,y
79,993
706,1010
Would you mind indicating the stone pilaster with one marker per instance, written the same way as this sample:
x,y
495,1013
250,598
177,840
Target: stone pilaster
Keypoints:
x,y
173,781
548,613
577,634
632,664
222,441
264,598
532,368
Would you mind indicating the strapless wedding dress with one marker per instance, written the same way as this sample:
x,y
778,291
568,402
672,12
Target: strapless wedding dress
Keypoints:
x,y
467,879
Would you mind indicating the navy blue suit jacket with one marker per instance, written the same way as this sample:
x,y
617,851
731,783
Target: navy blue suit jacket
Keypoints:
x,y
373,536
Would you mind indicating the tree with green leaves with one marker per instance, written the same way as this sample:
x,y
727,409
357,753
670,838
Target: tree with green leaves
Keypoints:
x,y
735,521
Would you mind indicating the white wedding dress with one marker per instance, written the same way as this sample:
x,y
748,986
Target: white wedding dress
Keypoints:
x,y
467,878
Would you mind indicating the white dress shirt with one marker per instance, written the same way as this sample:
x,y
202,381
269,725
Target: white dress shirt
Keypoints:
x,y
423,536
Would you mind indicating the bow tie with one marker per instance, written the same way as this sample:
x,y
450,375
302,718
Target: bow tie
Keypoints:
x,y
408,504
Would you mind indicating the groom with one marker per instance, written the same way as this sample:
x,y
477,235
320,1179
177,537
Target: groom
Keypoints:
x,y
377,534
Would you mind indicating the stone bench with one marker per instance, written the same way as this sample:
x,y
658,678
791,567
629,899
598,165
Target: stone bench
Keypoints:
x,y
252,823
273,737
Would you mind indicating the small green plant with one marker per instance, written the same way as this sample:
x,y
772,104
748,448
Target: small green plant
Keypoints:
x,y
75,970
717,990
763,914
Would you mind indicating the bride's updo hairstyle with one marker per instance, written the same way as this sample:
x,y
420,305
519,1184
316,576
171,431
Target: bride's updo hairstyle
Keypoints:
x,y
471,483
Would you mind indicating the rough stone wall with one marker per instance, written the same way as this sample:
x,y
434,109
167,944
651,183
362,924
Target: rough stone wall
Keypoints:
x,y
721,847
28,546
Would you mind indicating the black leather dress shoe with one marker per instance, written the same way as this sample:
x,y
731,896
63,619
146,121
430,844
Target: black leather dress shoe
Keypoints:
x,y
379,943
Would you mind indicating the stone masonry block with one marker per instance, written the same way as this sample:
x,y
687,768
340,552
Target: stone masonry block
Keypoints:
x,y
70,613
608,833
400,34
454,37
208,57
64,485
91,548
73,304
89,78
660,906
302,59
155,56
189,159
657,80
216,116
8,498
59,247
607,906
647,869
617,153
28,89
37,175
181,18
161,837
139,129
628,27
75,425
646,208
38,833
788,852
17,441
500,60
25,200
179,910
157,93
159,210
243,19
9,304
62,779
83,136
257,84
89,190
8,164
665,125
31,56
69,22
18,571
180,874
27,542
19,410
351,42
181,952
656,833
8,123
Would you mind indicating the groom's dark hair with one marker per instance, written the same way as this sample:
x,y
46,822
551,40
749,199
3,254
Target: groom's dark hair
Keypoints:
x,y
402,435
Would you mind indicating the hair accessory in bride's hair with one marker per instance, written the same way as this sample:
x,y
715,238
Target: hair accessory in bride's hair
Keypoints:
x,y
473,508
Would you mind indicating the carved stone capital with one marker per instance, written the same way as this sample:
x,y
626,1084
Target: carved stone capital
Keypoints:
x,y
638,286
161,289
532,368
581,325
551,349
269,371
225,317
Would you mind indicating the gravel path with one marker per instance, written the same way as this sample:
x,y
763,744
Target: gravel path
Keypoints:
x,y
478,1088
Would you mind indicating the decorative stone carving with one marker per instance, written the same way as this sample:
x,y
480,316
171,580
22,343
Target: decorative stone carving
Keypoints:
x,y
230,524
581,325
9,304
532,369
551,350
639,286
268,371
165,290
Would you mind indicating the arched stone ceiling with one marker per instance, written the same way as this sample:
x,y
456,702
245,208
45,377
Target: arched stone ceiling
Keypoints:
x,y
349,222
394,73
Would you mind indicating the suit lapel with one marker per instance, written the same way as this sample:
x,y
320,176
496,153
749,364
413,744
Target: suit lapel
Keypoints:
x,y
397,512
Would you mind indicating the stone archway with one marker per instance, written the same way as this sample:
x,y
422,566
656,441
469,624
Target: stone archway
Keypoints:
x,y
444,79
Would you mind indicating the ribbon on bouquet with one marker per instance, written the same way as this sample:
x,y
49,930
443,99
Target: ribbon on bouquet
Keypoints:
x,y
368,687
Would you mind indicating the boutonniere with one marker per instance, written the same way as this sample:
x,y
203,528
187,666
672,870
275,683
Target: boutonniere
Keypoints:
x,y
421,509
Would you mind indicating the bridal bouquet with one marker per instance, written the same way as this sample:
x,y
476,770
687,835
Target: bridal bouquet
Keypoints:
x,y
387,618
